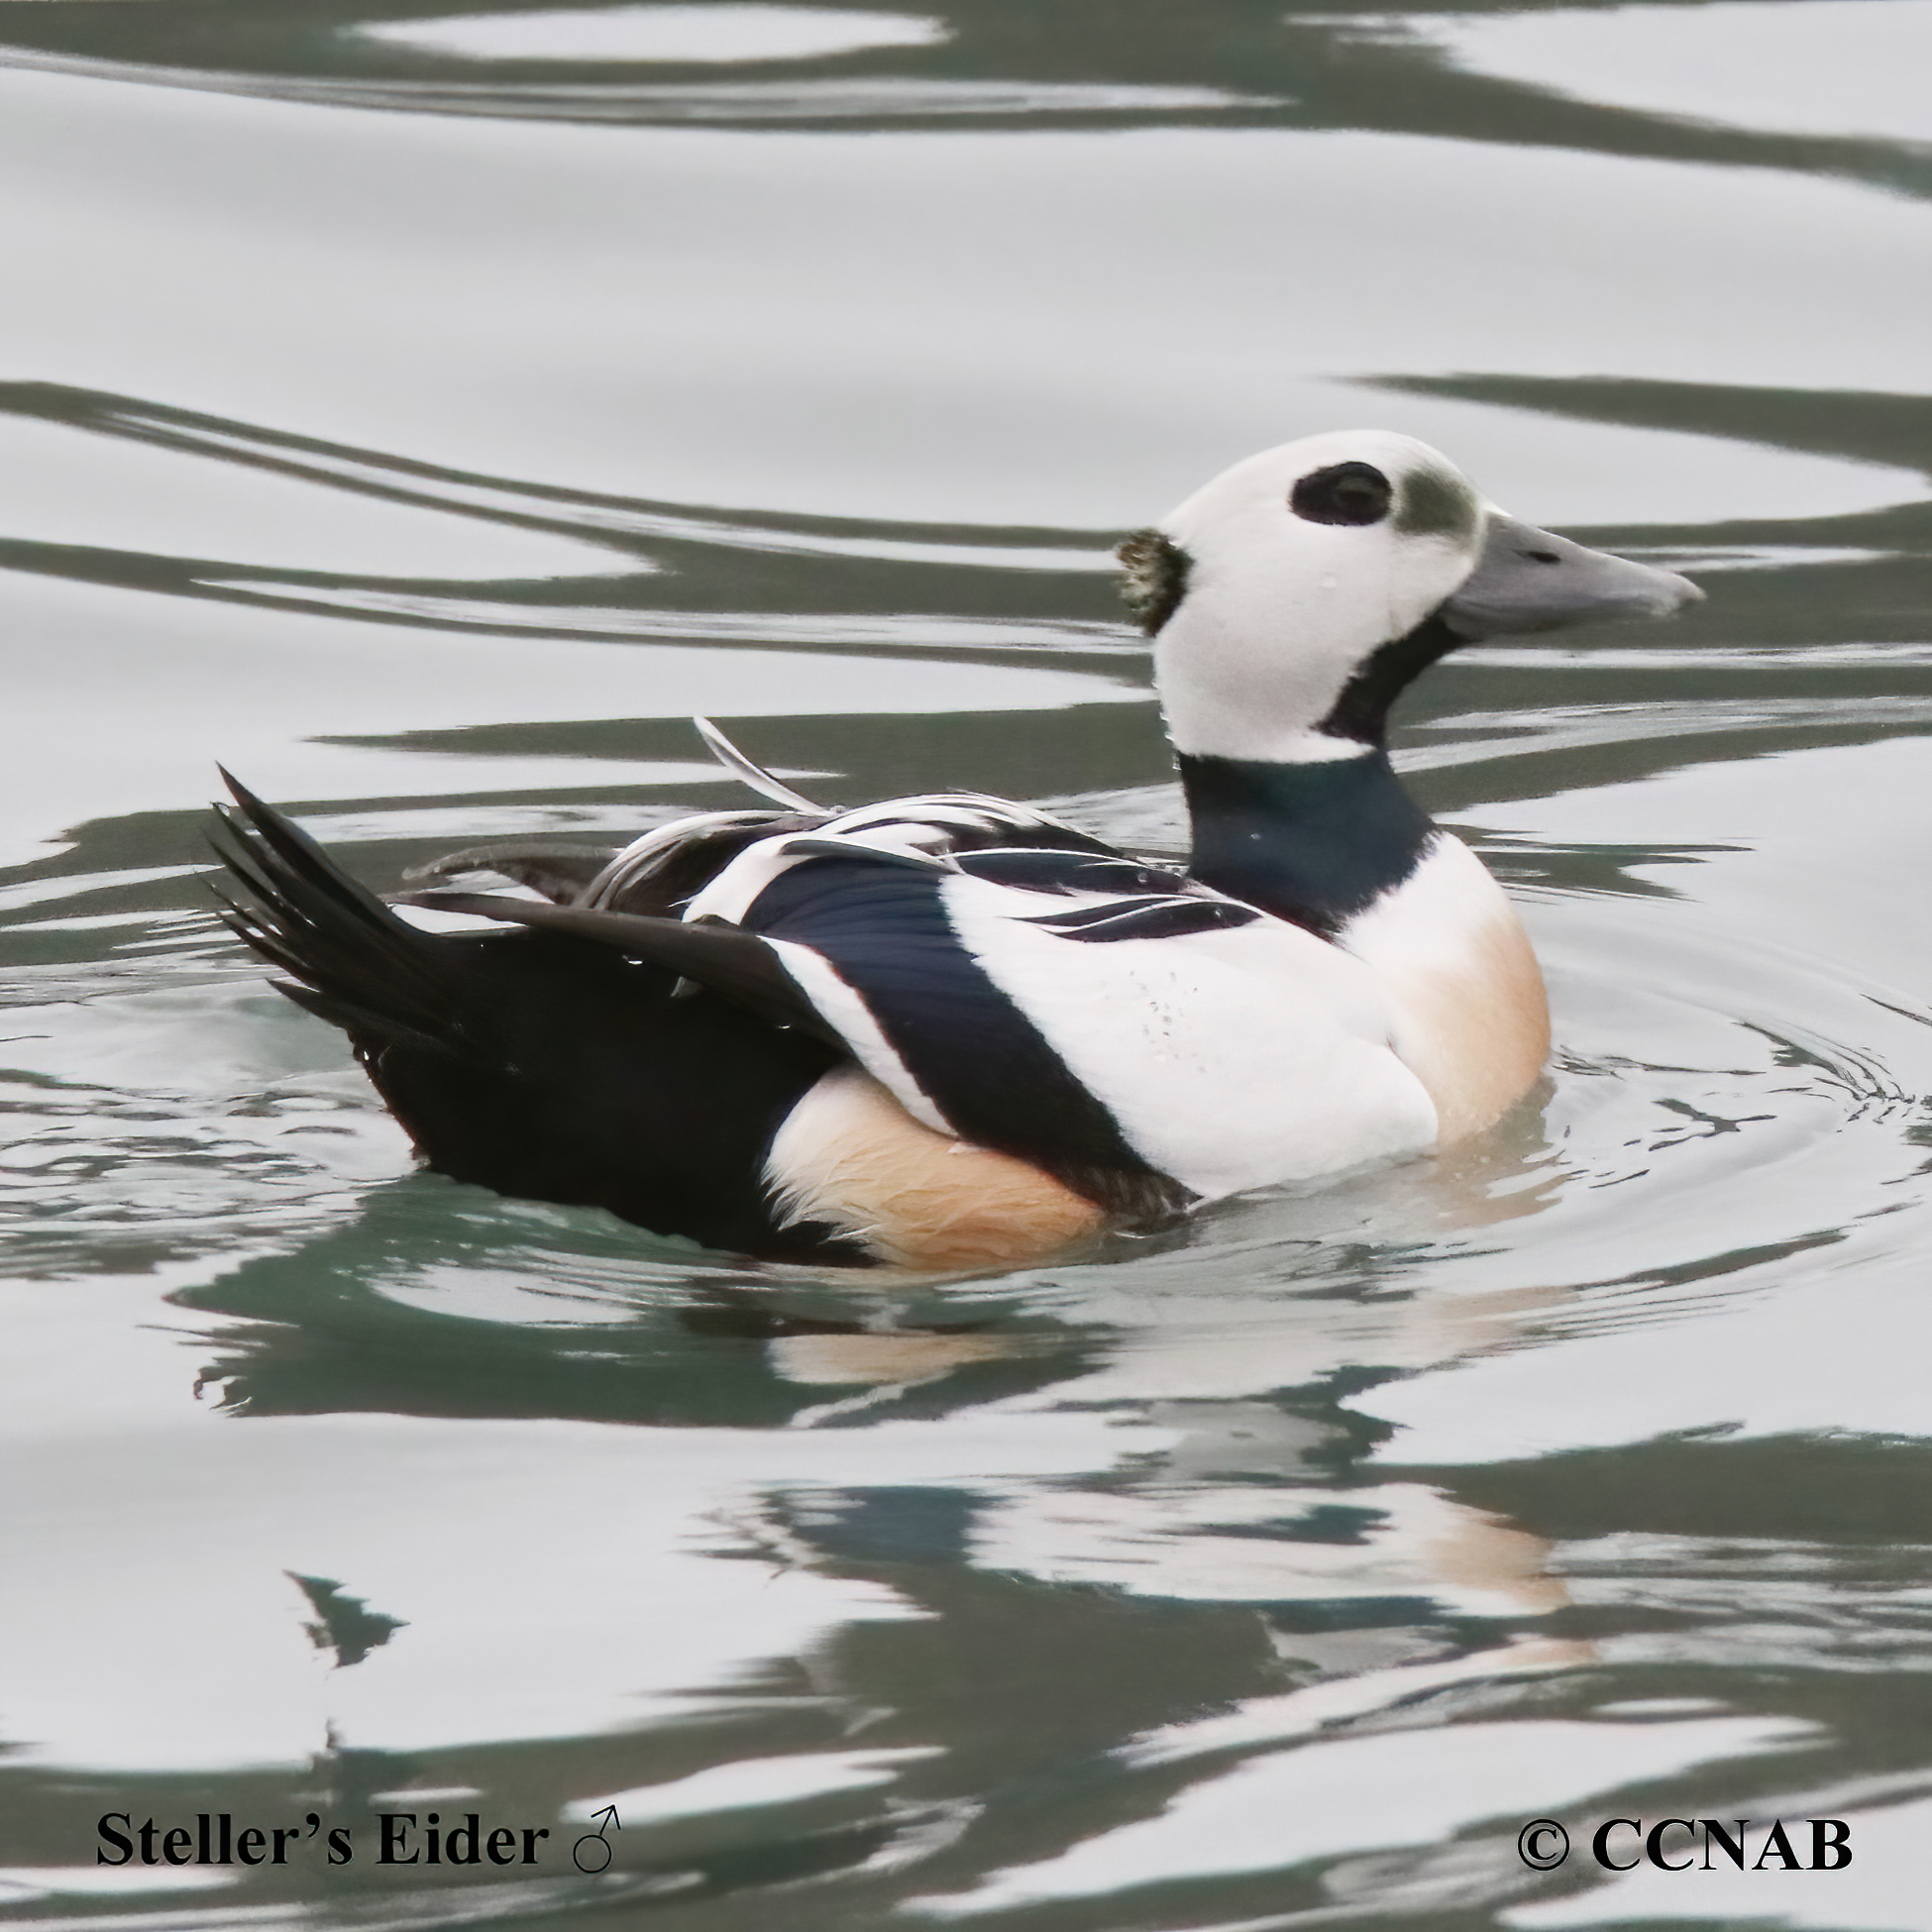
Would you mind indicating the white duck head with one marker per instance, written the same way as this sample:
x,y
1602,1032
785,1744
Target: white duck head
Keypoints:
x,y
1295,595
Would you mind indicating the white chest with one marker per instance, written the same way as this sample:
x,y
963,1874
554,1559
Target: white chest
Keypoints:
x,y
1471,1016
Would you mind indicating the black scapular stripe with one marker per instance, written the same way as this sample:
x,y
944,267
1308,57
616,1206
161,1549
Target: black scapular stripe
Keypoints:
x,y
539,1065
985,1065
1147,919
1056,869
1314,844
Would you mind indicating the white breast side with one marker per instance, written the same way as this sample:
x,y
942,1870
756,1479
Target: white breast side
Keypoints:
x,y
1471,1016
1231,1059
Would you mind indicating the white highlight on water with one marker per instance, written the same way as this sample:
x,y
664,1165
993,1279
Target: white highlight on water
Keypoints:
x,y
681,35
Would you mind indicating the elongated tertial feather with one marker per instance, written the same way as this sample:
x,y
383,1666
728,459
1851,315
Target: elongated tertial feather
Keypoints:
x,y
754,775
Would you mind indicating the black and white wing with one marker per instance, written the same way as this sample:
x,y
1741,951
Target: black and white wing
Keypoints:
x,y
1020,986
1025,987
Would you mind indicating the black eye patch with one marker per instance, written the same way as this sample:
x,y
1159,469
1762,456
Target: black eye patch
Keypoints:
x,y
1343,492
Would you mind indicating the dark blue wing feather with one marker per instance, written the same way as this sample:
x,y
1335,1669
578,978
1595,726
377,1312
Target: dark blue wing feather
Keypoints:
x,y
884,930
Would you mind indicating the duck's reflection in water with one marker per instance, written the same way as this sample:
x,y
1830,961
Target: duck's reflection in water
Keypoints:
x,y
1259,1493
1233,1341
1214,1582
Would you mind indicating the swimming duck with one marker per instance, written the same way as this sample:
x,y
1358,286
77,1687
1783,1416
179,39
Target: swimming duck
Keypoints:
x,y
951,1032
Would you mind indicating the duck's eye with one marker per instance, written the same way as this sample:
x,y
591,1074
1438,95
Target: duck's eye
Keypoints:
x,y
1343,492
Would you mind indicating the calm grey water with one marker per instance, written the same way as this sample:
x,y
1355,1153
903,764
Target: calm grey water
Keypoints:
x,y
423,412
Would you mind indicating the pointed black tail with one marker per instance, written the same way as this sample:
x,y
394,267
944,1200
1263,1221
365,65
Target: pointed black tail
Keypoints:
x,y
352,960
536,1063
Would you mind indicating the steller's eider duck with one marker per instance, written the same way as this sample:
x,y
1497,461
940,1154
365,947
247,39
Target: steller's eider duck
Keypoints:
x,y
951,1031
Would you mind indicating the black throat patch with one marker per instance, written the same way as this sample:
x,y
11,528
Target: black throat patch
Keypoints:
x,y
1361,712
1313,843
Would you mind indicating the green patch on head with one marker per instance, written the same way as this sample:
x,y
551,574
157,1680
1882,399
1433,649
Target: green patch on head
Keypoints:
x,y
1432,504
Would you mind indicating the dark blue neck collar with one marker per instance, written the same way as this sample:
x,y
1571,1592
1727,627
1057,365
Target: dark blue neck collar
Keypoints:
x,y
1317,843
1314,844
